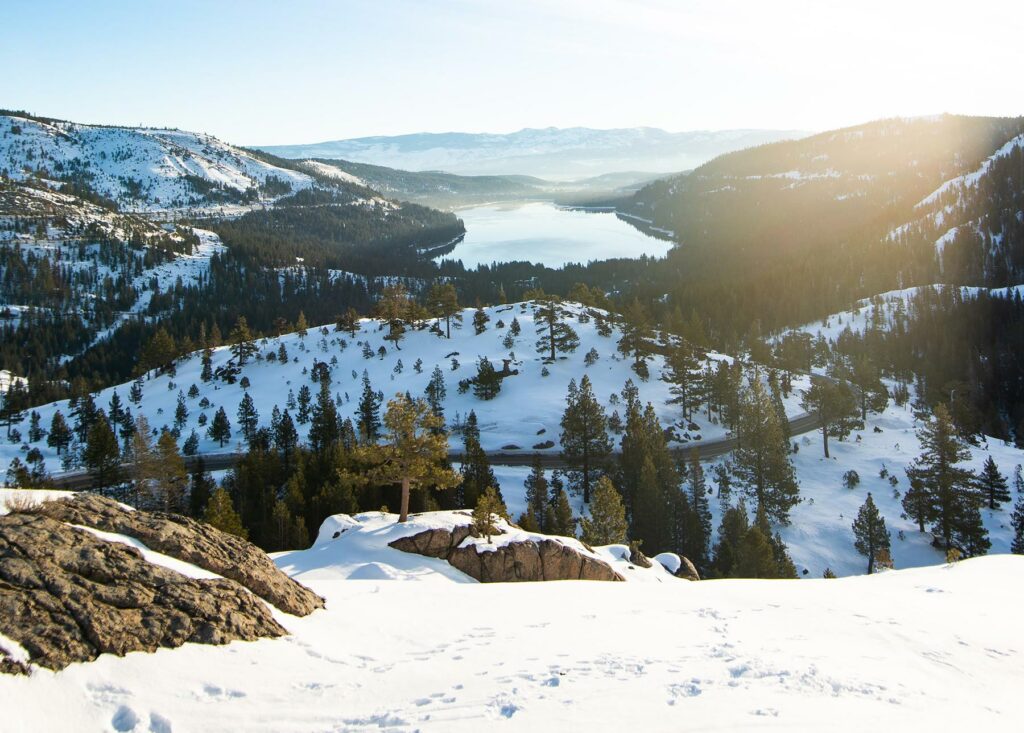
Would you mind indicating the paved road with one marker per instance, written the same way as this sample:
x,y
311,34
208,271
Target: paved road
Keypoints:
x,y
803,423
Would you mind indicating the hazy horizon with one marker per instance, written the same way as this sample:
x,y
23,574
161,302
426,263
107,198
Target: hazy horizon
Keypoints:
x,y
258,74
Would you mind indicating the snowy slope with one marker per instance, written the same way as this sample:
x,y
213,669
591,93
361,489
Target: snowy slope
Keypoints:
x,y
142,169
526,413
935,649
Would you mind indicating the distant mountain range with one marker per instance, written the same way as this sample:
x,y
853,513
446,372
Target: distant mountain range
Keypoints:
x,y
552,153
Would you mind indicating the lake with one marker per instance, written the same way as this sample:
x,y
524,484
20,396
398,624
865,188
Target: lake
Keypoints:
x,y
545,234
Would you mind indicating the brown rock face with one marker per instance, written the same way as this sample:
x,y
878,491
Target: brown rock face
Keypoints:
x,y
515,562
687,570
67,596
193,542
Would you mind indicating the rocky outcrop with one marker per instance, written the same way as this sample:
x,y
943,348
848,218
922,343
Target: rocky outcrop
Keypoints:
x,y
528,560
68,596
686,569
193,542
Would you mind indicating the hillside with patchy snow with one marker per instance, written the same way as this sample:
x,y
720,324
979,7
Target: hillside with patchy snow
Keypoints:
x,y
142,169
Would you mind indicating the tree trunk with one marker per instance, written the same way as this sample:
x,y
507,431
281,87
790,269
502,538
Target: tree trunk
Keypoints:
x,y
871,562
824,437
404,516
448,325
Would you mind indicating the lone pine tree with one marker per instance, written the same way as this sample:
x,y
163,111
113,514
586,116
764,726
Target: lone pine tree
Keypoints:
x,y
584,438
606,524
993,484
870,534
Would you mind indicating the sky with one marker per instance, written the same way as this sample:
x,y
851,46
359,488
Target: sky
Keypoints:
x,y
264,72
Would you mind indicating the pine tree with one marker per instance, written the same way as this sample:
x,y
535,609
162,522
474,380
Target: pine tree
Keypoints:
x,y
834,404
873,395
951,491
241,338
305,400
144,470
487,383
60,433
220,428
301,325
489,508
392,310
480,321
180,412
443,302
993,484
248,418
556,336
413,453
202,486
158,353
436,392
698,545
606,524
869,532
348,322
761,462
220,513
683,376
558,518
536,485
369,412
324,430
102,456
206,374
172,477
1017,522
584,438
286,437
634,341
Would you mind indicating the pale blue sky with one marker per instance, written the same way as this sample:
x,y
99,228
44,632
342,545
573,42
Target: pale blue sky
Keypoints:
x,y
258,72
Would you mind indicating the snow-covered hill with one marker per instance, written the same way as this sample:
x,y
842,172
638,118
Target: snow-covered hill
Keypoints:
x,y
142,169
523,418
933,649
556,153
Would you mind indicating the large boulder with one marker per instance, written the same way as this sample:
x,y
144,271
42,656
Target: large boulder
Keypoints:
x,y
510,562
68,596
194,542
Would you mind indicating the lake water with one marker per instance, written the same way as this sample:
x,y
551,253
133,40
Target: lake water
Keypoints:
x,y
545,234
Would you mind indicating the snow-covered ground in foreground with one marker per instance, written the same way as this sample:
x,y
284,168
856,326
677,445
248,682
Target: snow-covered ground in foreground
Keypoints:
x,y
526,413
931,649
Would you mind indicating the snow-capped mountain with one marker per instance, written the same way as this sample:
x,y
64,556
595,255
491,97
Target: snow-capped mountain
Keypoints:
x,y
141,169
555,153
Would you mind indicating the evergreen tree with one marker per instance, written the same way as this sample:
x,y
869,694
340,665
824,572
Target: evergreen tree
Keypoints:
x,y
413,453
873,395
60,433
248,418
443,302
584,439
556,336
348,322
436,392
241,338
869,532
761,462
202,486
220,428
206,374
698,546
369,412
487,383
305,400
634,341
606,524
220,513
489,508
180,413
558,519
324,429
1017,522
951,491
993,484
286,437
102,456
171,477
683,376
480,321
536,485
834,404
392,309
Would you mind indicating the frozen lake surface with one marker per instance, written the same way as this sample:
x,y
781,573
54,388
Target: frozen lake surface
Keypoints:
x,y
543,233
